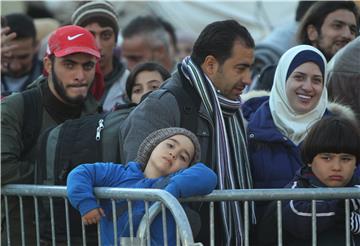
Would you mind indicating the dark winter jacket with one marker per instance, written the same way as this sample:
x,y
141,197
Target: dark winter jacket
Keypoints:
x,y
17,167
274,158
18,163
296,217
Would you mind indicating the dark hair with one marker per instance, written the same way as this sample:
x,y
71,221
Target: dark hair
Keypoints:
x,y
148,26
217,39
302,8
22,24
332,134
147,66
142,24
37,9
317,14
170,30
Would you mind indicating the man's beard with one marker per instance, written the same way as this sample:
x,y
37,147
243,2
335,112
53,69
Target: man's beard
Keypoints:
x,y
326,54
60,89
318,41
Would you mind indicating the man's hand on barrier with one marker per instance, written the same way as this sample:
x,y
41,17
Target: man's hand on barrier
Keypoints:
x,y
93,217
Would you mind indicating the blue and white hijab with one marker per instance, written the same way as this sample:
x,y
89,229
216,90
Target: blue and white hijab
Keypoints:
x,y
291,124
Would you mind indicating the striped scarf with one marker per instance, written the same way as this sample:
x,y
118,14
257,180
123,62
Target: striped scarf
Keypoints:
x,y
233,166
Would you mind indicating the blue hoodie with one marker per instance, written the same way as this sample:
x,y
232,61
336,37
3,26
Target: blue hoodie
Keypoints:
x,y
195,180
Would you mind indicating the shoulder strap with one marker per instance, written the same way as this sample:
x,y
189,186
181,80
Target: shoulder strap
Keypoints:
x,y
32,118
189,103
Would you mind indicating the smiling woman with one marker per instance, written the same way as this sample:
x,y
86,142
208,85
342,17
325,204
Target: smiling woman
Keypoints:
x,y
278,124
298,97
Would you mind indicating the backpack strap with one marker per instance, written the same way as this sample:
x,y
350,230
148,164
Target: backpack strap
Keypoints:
x,y
189,104
32,118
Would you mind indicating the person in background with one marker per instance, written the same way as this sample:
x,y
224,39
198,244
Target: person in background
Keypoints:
x,y
146,39
44,27
277,124
6,37
144,78
185,44
330,154
64,94
269,50
167,159
169,28
344,77
100,18
329,26
19,65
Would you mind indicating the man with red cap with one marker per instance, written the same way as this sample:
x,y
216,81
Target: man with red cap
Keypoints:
x,y
63,94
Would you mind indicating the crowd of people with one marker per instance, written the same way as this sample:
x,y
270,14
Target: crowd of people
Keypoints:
x,y
230,114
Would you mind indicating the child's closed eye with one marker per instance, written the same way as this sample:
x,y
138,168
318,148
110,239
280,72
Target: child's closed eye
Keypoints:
x,y
183,158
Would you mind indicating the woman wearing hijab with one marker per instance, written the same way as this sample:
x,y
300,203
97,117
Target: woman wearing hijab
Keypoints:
x,y
277,124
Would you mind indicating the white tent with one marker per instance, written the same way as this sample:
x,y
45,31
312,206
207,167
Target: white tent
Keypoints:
x,y
192,16
186,16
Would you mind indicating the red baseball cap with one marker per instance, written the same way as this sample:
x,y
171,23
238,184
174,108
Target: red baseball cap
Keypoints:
x,y
71,39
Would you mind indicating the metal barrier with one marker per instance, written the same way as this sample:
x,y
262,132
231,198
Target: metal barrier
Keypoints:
x,y
278,195
184,234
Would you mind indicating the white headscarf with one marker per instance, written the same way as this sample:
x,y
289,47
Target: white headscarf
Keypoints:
x,y
294,125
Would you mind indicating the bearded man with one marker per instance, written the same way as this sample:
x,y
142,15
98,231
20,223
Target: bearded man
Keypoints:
x,y
63,94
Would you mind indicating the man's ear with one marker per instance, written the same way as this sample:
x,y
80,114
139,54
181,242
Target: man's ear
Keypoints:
x,y
312,33
47,64
210,65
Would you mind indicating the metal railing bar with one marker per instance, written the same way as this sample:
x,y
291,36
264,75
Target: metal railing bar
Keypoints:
x,y
67,221
22,221
313,223
279,222
7,217
37,227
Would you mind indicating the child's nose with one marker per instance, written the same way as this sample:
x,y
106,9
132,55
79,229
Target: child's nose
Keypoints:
x,y
172,156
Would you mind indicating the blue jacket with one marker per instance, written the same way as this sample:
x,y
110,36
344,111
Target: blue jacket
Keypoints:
x,y
273,157
195,180
296,218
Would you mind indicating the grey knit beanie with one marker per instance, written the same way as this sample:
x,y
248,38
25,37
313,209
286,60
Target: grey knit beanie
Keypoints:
x,y
156,137
96,9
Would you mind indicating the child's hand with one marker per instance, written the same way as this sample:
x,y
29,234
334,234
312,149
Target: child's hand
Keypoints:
x,y
93,217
